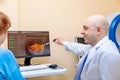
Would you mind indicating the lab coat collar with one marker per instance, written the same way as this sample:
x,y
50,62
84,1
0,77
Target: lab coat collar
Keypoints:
x,y
101,42
92,51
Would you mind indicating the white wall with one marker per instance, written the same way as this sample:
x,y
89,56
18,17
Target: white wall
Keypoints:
x,y
10,8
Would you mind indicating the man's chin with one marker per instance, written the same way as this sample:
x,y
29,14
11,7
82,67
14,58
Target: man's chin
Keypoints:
x,y
86,42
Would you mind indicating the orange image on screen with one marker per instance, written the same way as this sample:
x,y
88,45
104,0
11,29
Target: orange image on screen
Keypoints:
x,y
36,47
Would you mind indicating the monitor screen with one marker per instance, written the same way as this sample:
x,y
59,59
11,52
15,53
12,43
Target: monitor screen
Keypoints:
x,y
79,40
29,44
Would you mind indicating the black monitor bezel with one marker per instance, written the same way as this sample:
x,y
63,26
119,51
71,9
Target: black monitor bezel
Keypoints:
x,y
26,56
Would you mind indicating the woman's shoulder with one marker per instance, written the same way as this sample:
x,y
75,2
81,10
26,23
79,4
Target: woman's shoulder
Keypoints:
x,y
5,53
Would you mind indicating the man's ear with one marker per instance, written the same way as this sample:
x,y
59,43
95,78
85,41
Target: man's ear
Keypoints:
x,y
99,30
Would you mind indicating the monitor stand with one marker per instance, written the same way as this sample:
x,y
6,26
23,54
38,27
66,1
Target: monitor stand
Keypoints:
x,y
27,61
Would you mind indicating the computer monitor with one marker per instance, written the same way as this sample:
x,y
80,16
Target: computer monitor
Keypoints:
x,y
29,44
79,40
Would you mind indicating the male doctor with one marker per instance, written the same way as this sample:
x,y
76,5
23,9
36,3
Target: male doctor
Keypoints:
x,y
101,58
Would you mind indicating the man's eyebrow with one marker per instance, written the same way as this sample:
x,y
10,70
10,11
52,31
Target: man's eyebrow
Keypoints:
x,y
84,26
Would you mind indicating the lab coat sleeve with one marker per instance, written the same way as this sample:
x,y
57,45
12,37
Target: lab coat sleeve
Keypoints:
x,y
77,48
110,67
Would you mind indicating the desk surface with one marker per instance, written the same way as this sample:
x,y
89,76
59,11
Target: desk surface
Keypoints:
x,y
43,72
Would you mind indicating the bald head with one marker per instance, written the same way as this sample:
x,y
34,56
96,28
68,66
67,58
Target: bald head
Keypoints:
x,y
98,21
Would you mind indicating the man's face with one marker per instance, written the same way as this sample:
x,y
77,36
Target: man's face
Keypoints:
x,y
89,33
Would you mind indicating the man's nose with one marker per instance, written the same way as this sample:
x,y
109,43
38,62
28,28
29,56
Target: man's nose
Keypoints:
x,y
82,32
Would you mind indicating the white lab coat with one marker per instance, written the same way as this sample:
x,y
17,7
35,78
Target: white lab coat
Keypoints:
x,y
103,62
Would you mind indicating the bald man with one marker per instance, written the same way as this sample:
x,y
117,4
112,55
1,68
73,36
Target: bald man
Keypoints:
x,y
101,58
